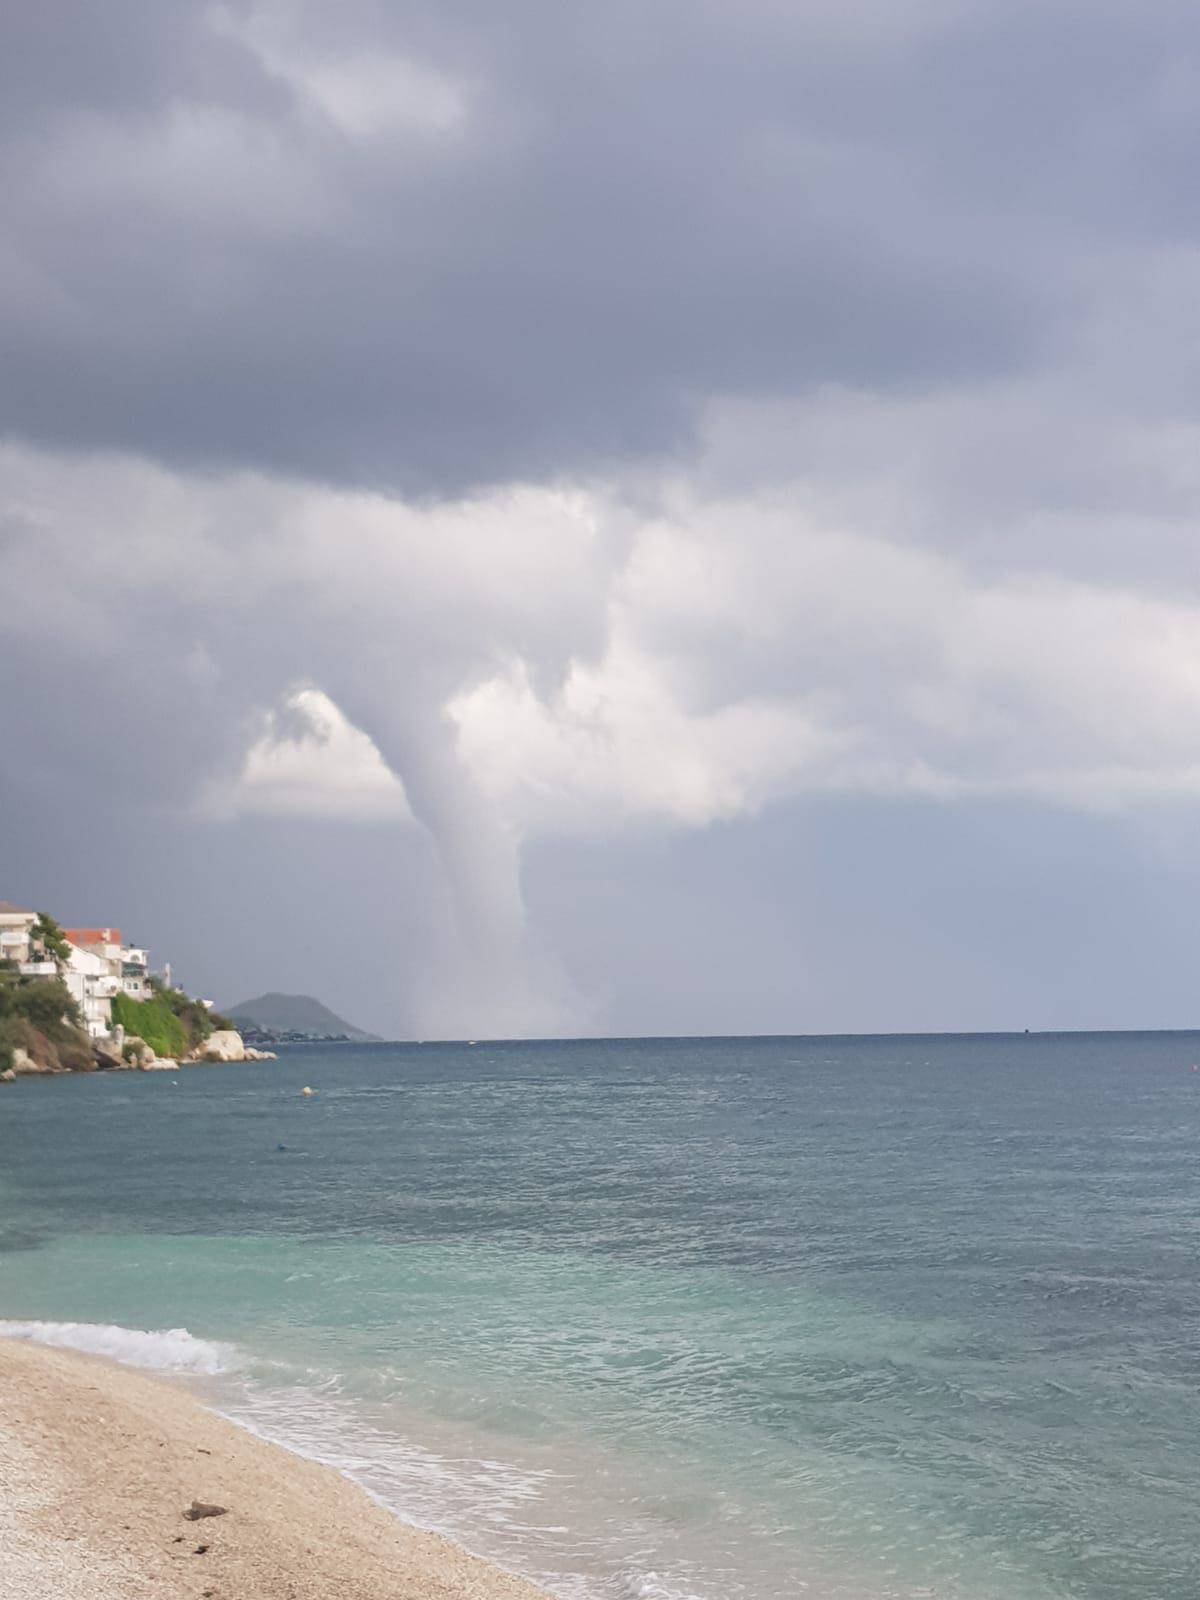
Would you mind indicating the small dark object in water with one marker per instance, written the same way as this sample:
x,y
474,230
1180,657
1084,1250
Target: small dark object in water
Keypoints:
x,y
281,1147
198,1509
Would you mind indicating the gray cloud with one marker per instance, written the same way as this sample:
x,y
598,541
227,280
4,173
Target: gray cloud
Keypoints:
x,y
215,255
636,420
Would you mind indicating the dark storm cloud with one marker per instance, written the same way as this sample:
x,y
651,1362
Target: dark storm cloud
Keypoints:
x,y
127,58
638,209
852,345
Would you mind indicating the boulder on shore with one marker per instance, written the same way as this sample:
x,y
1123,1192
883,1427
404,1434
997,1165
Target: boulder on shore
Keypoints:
x,y
224,1045
24,1065
107,1052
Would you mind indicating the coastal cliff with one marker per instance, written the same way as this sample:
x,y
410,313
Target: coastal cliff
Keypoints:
x,y
40,1029
41,1032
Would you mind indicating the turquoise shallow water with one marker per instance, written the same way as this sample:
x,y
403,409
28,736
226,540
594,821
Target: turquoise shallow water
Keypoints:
x,y
852,1318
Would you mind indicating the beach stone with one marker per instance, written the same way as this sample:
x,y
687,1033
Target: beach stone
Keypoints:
x,y
107,1053
199,1509
8,1076
224,1045
23,1064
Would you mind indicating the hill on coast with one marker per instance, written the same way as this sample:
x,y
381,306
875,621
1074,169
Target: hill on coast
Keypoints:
x,y
295,1014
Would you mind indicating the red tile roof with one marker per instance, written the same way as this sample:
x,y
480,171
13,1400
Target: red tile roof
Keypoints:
x,y
86,936
7,909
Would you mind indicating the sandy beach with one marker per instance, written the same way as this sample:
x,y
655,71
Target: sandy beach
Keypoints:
x,y
98,1465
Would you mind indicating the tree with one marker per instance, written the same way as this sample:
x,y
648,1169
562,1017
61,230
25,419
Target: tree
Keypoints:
x,y
47,934
48,1005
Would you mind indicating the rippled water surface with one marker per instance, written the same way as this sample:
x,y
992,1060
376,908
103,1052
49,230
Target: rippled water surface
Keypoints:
x,y
851,1318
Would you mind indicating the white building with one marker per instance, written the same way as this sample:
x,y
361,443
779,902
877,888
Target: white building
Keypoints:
x,y
100,965
135,972
15,928
92,983
129,963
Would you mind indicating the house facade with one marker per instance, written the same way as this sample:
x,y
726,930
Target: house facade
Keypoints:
x,y
135,972
130,964
92,983
100,965
16,926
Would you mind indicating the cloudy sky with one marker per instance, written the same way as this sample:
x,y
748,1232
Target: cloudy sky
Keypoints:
x,y
670,516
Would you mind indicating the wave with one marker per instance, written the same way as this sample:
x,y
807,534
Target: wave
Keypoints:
x,y
160,1349
509,1514
637,1585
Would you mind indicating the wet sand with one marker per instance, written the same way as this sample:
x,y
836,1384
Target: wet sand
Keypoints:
x,y
98,1465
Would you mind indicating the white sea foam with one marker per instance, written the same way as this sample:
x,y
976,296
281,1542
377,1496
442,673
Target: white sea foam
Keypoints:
x,y
649,1586
503,1511
160,1349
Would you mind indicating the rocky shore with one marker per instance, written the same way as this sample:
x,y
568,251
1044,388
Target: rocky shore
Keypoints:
x,y
121,1052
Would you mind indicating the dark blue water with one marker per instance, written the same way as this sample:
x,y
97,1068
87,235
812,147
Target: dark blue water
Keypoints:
x,y
879,1317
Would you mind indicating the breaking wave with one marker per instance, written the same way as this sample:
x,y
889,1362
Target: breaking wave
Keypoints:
x,y
160,1349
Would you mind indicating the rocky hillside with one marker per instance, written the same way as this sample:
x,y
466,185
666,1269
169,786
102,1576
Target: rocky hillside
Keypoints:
x,y
282,1016
40,1027
40,1032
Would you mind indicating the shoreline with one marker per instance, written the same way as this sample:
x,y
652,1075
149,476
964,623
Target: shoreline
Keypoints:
x,y
99,1462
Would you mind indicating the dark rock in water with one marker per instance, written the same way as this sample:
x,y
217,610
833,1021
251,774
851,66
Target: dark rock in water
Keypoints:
x,y
198,1509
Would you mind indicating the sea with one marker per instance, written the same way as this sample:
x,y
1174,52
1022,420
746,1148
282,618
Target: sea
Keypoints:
x,y
670,1319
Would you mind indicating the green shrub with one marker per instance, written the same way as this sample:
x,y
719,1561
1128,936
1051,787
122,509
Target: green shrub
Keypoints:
x,y
49,937
154,1021
37,1015
47,1003
16,1033
195,1016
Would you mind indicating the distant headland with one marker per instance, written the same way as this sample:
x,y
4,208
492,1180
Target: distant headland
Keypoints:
x,y
293,1019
